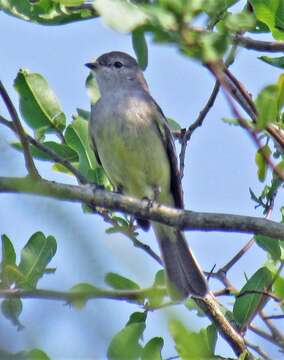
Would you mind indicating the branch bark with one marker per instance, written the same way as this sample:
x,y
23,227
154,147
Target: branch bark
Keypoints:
x,y
182,219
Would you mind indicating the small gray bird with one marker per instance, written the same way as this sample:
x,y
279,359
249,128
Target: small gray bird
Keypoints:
x,y
133,143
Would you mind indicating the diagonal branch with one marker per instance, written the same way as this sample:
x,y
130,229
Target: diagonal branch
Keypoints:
x,y
30,166
182,219
258,45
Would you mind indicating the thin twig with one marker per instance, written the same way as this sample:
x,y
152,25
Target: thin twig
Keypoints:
x,y
276,333
258,350
275,317
265,335
30,166
197,123
258,45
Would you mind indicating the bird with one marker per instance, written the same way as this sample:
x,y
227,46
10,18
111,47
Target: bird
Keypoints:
x,y
132,141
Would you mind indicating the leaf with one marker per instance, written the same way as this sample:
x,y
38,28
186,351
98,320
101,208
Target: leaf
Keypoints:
x,y
173,124
8,261
62,150
92,90
84,114
77,137
125,344
267,106
191,345
35,257
212,337
39,105
152,350
70,2
139,45
85,290
261,162
274,61
242,21
270,12
11,309
36,354
47,12
245,306
272,246
137,317
120,15
119,282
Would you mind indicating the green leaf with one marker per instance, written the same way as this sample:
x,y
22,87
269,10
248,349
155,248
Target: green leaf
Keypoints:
x,y
70,2
36,354
119,282
267,106
137,317
35,257
261,162
245,306
274,61
139,45
8,261
270,12
173,124
191,345
11,309
152,350
92,90
243,21
125,344
47,12
120,15
272,246
77,137
85,290
278,288
39,105
84,114
212,336
63,150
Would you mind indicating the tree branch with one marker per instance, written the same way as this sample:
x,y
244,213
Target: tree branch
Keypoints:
x,y
182,219
258,45
30,166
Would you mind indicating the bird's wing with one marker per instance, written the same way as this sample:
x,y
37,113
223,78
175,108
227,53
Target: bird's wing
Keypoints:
x,y
165,133
92,141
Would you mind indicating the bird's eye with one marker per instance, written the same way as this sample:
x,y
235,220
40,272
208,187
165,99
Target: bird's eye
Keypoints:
x,y
117,64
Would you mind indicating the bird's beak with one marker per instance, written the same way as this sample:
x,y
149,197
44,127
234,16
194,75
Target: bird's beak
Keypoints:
x,y
92,66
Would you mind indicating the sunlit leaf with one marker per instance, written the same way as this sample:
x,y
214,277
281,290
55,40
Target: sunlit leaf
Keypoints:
x,y
39,105
272,246
35,256
85,291
8,261
152,350
119,282
261,162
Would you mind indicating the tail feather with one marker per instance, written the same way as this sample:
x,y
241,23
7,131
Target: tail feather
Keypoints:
x,y
183,272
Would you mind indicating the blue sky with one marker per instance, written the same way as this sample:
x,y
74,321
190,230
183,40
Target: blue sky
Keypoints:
x,y
219,171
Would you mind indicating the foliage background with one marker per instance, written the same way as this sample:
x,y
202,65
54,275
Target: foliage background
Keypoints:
x,y
220,168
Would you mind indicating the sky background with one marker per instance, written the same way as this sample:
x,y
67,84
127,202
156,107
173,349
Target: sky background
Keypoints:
x,y
219,171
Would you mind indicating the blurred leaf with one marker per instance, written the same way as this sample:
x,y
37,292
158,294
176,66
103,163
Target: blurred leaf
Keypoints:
x,y
39,105
92,90
173,124
137,317
245,306
70,2
119,282
11,309
120,15
212,336
63,150
8,261
267,106
139,45
214,45
77,137
84,114
47,12
35,256
243,21
278,288
272,246
231,121
85,290
125,344
62,169
274,61
191,306
191,345
261,162
156,297
36,354
270,12
152,350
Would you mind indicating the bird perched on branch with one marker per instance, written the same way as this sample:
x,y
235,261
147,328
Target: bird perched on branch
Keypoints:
x,y
133,143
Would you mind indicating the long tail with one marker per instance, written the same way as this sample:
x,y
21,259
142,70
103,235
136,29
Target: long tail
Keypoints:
x,y
183,272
